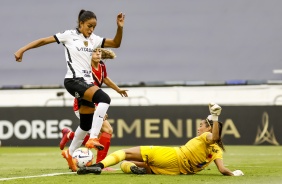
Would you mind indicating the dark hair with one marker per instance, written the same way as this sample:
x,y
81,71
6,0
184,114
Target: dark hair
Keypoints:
x,y
85,15
219,141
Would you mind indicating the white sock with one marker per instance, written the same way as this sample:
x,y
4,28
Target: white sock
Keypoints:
x,y
77,139
98,119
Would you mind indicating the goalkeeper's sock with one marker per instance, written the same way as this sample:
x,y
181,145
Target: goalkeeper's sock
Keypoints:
x,y
105,140
113,158
125,167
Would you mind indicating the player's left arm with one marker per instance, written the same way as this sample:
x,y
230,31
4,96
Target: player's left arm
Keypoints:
x,y
113,85
223,170
116,41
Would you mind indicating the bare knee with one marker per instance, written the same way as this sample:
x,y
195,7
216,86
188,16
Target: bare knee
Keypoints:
x,y
89,93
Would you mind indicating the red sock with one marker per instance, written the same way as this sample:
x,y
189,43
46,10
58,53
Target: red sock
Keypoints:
x,y
85,139
105,140
71,135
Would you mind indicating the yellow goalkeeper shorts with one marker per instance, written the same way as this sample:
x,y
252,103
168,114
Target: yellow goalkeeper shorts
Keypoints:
x,y
161,159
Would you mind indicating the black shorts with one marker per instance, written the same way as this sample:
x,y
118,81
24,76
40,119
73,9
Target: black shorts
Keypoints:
x,y
76,87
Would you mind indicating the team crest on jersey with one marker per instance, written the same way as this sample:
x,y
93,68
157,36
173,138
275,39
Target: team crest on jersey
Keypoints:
x,y
86,43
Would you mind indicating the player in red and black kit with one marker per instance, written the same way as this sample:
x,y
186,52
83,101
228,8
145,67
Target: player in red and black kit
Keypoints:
x,y
100,76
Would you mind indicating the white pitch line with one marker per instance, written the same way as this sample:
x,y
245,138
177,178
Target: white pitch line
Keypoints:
x,y
43,175
259,154
38,176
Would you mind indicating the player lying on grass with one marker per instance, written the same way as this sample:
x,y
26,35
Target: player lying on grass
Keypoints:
x,y
100,76
190,158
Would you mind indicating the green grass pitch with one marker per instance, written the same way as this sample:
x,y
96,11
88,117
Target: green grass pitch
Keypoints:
x,y
261,164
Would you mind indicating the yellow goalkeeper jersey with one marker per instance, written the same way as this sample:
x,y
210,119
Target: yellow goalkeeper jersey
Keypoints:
x,y
196,154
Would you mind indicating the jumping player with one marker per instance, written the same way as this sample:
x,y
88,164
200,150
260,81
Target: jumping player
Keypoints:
x,y
100,76
79,45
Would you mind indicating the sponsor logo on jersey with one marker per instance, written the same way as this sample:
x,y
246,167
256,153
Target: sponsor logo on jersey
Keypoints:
x,y
85,49
86,73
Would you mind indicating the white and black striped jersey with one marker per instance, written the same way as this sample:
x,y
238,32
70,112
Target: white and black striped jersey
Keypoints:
x,y
78,53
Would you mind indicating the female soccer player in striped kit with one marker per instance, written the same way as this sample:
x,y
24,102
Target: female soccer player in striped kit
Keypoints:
x,y
79,45
190,158
100,76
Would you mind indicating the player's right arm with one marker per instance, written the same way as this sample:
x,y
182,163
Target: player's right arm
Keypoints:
x,y
37,43
215,111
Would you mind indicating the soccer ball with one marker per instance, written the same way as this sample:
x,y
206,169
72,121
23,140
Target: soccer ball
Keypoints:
x,y
82,157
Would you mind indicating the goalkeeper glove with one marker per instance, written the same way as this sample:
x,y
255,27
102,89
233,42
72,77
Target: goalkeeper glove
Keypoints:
x,y
215,111
238,173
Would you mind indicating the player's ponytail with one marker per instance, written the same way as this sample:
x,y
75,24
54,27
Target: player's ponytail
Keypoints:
x,y
219,141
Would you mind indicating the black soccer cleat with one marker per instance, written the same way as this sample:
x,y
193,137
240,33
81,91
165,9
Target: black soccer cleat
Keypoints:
x,y
88,170
138,170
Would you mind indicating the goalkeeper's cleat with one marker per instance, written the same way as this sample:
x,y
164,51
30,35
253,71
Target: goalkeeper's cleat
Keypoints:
x,y
68,157
138,170
65,138
94,143
91,169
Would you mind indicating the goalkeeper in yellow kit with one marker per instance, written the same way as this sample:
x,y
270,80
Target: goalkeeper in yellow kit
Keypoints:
x,y
190,158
